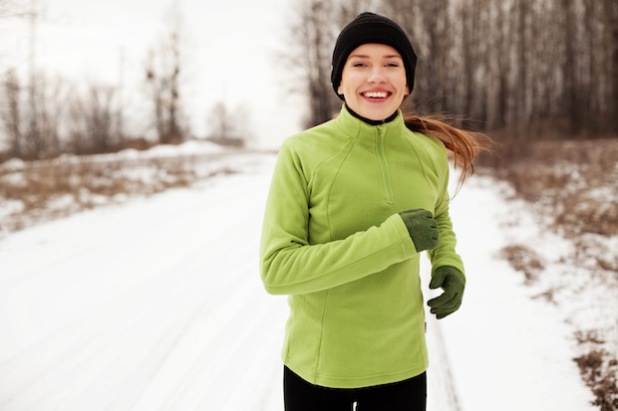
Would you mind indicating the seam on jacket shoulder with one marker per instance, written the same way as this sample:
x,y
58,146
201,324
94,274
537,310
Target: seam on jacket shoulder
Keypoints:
x,y
431,157
295,157
317,168
422,163
432,161
443,158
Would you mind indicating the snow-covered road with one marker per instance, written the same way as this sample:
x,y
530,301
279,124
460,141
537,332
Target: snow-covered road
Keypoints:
x,y
157,305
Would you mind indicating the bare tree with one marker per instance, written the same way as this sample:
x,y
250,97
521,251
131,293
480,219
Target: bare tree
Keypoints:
x,y
437,32
347,10
571,97
496,88
610,23
226,129
315,25
516,64
163,70
93,119
11,115
33,131
100,117
221,122
41,138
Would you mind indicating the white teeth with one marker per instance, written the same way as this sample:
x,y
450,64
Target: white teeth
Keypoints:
x,y
376,94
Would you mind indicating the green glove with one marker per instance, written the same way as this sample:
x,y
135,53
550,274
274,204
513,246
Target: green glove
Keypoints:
x,y
422,227
453,283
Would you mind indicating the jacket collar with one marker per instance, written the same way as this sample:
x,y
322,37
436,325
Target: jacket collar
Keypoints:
x,y
354,126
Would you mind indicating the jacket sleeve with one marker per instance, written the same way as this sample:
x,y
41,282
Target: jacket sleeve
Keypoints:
x,y
444,253
290,265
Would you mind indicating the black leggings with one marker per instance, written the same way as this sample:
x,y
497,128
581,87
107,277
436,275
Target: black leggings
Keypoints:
x,y
407,395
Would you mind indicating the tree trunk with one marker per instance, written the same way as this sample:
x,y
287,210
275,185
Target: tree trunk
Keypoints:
x,y
611,23
12,117
572,107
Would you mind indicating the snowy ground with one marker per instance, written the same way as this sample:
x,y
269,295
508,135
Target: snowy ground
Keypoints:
x,y
156,304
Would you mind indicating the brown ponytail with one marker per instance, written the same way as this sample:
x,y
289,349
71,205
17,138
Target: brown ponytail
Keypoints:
x,y
464,145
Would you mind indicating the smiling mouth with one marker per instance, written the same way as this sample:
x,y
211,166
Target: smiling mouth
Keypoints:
x,y
376,95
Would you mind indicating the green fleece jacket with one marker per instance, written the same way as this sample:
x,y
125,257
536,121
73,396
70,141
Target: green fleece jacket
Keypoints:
x,y
333,240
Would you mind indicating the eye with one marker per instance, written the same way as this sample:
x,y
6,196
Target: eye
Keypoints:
x,y
393,64
358,64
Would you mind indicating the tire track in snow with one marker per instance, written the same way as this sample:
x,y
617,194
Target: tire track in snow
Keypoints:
x,y
441,384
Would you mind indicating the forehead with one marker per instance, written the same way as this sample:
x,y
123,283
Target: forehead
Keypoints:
x,y
374,50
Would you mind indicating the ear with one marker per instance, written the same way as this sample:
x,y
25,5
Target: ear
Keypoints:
x,y
339,91
407,90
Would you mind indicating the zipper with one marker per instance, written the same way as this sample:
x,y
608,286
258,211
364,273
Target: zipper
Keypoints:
x,y
383,166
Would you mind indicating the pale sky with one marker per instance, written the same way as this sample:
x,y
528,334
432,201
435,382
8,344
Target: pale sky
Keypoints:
x,y
230,53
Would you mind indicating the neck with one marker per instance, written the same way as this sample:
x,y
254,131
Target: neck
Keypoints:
x,y
373,122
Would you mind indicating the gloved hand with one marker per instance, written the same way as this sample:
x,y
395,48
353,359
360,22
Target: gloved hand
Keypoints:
x,y
422,227
453,283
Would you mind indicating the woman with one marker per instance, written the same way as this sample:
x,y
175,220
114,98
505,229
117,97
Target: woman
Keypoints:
x,y
351,205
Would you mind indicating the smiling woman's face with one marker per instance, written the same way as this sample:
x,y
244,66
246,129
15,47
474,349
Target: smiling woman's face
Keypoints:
x,y
373,81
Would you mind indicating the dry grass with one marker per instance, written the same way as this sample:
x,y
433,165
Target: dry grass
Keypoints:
x,y
576,179
573,188
599,373
525,260
45,190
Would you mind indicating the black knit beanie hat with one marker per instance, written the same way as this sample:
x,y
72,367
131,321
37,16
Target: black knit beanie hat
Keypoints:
x,y
372,28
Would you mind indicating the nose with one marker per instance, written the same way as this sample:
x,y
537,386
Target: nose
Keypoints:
x,y
376,75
